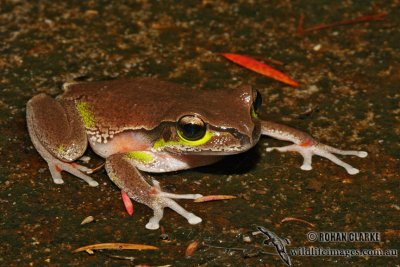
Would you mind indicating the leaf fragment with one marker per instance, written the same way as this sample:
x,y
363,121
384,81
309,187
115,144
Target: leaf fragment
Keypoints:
x,y
115,246
191,248
288,219
87,220
127,202
260,68
214,198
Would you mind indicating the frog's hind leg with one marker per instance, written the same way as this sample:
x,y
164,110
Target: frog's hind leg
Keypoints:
x,y
307,146
58,135
123,172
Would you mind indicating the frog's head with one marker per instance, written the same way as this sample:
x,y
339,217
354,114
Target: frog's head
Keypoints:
x,y
219,122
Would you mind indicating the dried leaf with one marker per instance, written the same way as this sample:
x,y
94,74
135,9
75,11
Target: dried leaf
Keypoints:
x,y
145,265
95,169
116,246
191,248
261,68
288,219
213,198
88,219
127,203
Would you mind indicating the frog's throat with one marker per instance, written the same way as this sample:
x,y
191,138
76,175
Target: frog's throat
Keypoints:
x,y
161,143
86,114
140,156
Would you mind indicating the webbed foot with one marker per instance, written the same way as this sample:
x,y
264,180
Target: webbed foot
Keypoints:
x,y
165,200
307,146
57,166
309,149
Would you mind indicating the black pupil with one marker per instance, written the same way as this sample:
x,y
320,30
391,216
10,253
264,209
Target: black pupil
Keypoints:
x,y
257,102
192,131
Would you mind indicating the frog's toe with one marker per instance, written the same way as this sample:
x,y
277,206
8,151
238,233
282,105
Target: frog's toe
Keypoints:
x,y
82,168
154,222
84,159
165,202
306,167
324,152
57,166
152,225
190,217
194,219
179,196
55,174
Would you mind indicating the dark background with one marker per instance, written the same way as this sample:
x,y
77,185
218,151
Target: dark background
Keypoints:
x,y
351,83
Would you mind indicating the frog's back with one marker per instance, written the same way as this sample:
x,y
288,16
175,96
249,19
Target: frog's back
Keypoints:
x,y
129,103
143,103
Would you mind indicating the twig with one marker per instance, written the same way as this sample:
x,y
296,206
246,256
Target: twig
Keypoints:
x,y
300,27
115,246
95,169
289,219
322,26
224,248
118,257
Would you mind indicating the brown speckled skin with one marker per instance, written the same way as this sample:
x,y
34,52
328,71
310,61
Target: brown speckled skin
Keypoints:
x,y
128,178
283,132
55,124
144,103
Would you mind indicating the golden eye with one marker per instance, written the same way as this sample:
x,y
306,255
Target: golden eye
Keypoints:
x,y
191,128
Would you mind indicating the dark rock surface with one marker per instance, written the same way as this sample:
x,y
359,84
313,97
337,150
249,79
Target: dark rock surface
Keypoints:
x,y
350,78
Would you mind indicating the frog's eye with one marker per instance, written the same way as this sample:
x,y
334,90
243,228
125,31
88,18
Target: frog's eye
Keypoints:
x,y
191,128
257,101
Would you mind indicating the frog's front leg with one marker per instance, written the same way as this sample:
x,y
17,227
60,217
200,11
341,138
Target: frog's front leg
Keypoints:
x,y
123,171
307,146
58,134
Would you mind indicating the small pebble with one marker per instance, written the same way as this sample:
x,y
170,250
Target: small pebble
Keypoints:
x,y
164,237
88,219
317,47
246,239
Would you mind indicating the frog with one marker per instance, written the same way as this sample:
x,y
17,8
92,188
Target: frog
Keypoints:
x,y
144,125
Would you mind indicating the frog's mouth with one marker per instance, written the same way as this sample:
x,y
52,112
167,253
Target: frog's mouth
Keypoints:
x,y
220,143
220,151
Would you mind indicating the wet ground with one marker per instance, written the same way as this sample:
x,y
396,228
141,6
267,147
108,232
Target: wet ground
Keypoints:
x,y
349,98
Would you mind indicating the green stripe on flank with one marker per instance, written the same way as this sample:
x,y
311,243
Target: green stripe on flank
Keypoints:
x,y
162,143
140,156
86,114
254,114
61,149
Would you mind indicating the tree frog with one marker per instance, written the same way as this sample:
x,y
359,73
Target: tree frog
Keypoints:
x,y
146,125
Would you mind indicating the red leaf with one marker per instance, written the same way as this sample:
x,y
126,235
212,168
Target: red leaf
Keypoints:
x,y
127,203
261,68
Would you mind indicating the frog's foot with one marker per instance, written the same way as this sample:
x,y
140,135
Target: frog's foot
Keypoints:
x,y
310,148
57,166
165,200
